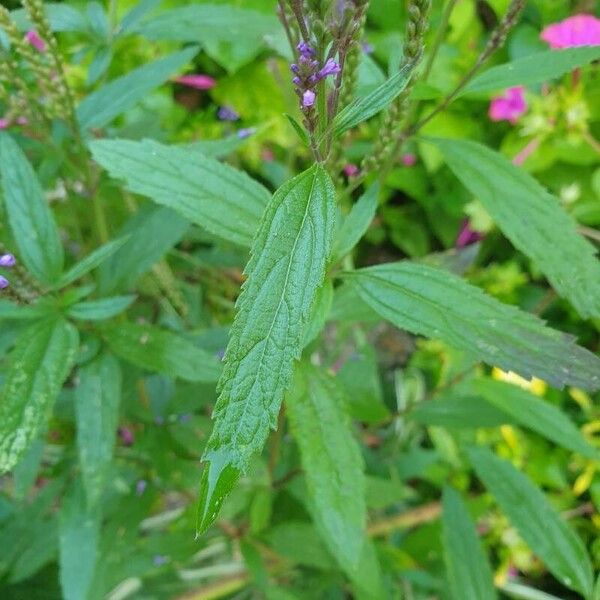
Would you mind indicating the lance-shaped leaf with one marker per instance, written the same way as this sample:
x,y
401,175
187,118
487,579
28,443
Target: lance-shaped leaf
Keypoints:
x,y
97,400
286,268
215,196
538,523
438,304
331,461
161,351
100,310
102,106
38,367
29,215
368,106
531,219
469,572
537,68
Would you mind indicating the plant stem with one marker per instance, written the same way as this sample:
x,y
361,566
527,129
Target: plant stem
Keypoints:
x,y
439,38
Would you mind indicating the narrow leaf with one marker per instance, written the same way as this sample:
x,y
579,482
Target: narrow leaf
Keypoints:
x,y
215,196
97,410
538,523
103,105
331,461
368,106
29,215
38,367
537,68
99,310
438,304
287,266
531,219
161,351
469,572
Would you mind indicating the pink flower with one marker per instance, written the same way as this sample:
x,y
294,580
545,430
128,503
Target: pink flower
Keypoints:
x,y
36,41
467,236
580,30
350,170
4,124
409,160
510,106
198,81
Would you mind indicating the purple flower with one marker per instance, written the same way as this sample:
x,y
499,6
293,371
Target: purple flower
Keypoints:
x,y
305,50
4,283
160,559
308,98
246,132
467,235
36,41
7,261
226,113
329,68
140,487
295,68
126,436
368,48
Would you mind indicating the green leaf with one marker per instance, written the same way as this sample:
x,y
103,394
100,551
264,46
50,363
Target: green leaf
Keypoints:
x,y
357,222
524,592
29,215
300,131
38,367
286,268
114,98
149,235
537,68
99,310
532,412
331,461
90,262
469,572
11,311
531,219
538,523
97,400
438,304
161,351
79,533
364,108
215,196
319,312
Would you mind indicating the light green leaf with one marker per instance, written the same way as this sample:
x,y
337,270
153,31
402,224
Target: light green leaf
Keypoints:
x,y
216,148
215,196
99,310
102,106
532,412
97,400
61,16
469,572
11,311
524,592
531,219
331,461
368,106
38,367
538,523
79,533
91,261
161,351
287,266
537,68
357,222
438,304
29,215
319,312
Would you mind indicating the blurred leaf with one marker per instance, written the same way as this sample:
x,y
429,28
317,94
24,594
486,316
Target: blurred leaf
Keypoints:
x,y
29,215
437,304
544,530
62,17
524,592
536,68
102,106
531,218
136,14
286,268
161,351
9,310
215,196
469,572
38,367
97,400
99,310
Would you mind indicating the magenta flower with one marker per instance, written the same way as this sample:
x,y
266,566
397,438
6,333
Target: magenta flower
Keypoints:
x,y
308,99
7,261
510,106
467,235
350,170
197,81
127,436
36,41
580,30
409,160
4,124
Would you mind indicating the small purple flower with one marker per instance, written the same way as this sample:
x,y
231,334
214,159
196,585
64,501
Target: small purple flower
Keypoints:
x,y
7,261
305,50
140,487
220,353
467,236
295,68
4,283
308,99
226,113
159,560
126,436
246,132
368,48
329,68
185,418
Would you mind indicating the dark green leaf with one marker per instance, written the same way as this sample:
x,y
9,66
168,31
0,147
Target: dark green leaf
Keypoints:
x,y
29,215
302,134
99,310
215,196
532,220
438,304
538,523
